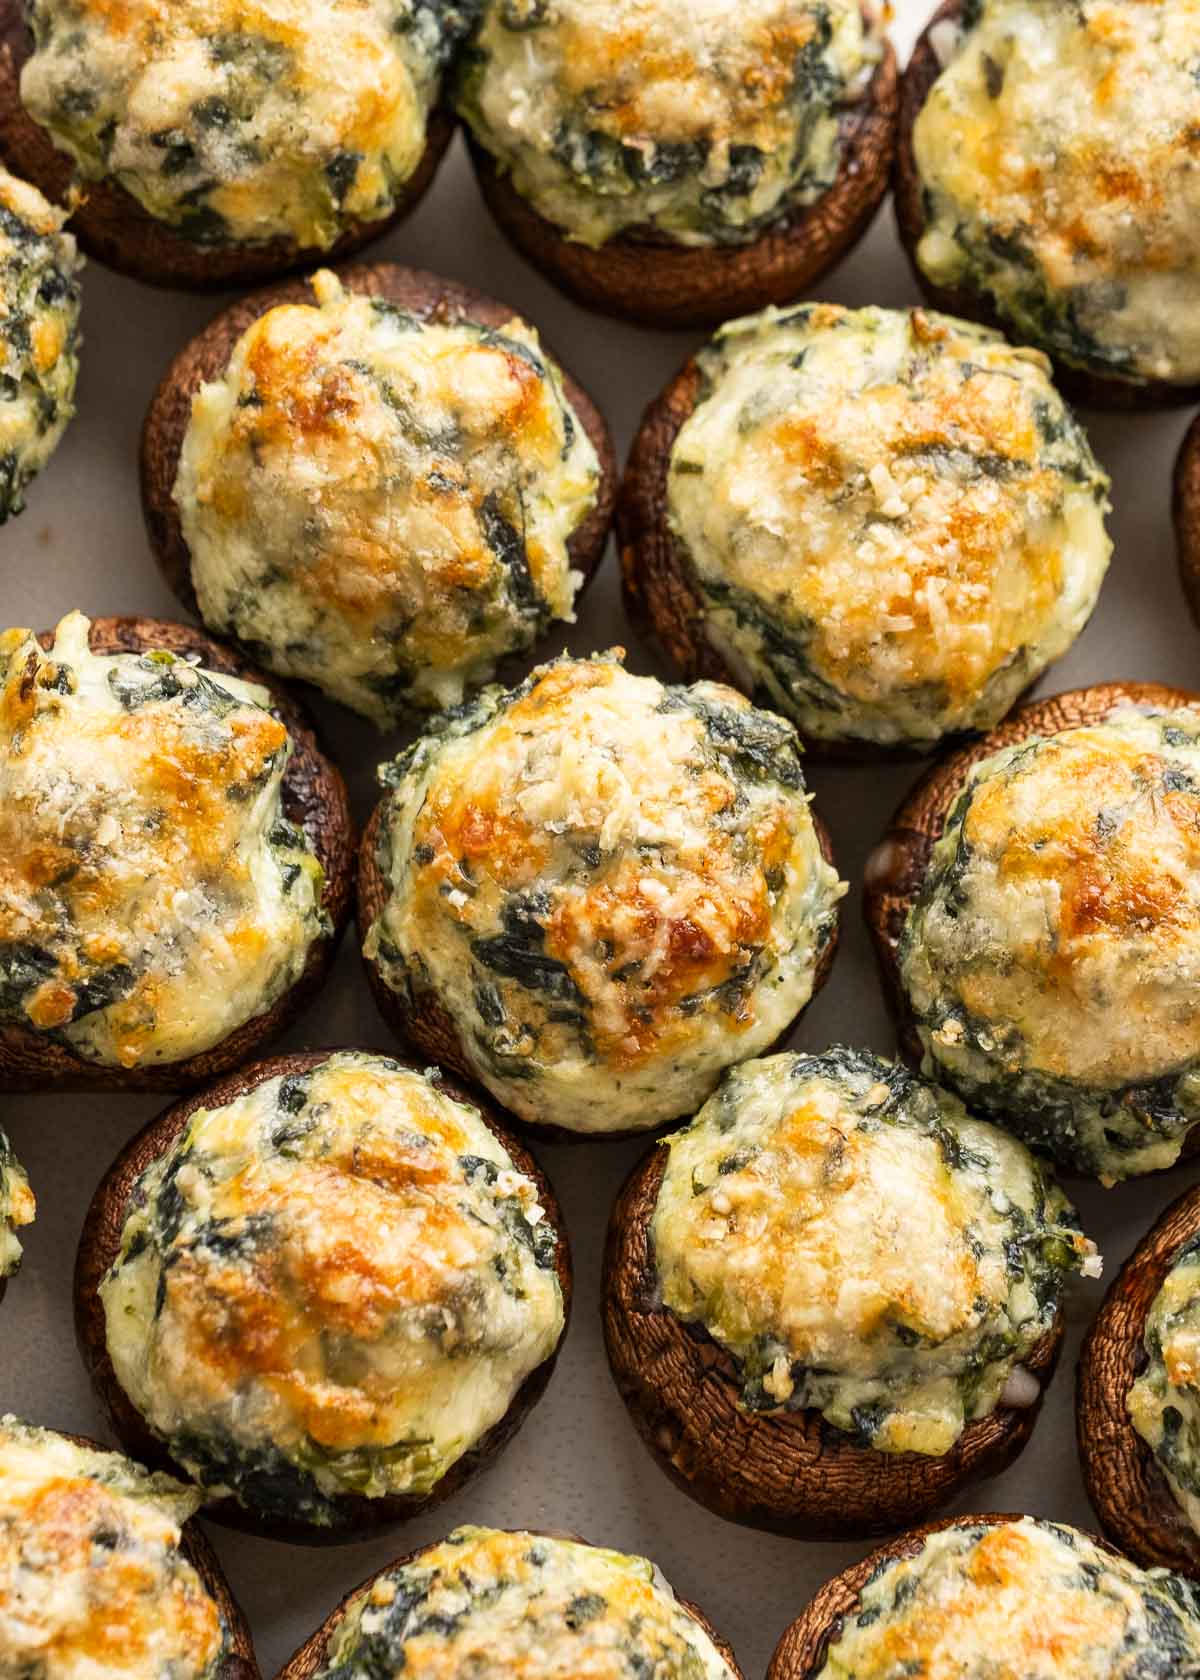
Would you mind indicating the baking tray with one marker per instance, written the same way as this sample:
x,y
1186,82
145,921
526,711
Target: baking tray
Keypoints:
x,y
578,1464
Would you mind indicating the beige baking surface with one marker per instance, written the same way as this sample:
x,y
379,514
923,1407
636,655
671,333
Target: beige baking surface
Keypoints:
x,y
578,1463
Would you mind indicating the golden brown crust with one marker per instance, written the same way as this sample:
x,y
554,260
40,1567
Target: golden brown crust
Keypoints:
x,y
1089,389
314,796
114,228
663,285
1128,1490
305,1662
99,1244
788,1472
207,356
1186,510
431,1031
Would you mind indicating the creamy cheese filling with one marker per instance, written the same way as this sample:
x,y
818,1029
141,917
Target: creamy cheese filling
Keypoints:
x,y
862,1247
336,1284
701,123
39,335
1052,957
93,1585
494,1604
152,896
1025,1600
892,519
243,120
612,887
17,1207
1164,1403
382,505
1059,156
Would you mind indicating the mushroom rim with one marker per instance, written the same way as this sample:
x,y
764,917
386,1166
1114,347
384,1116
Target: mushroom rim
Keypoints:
x,y
360,1516
1185,513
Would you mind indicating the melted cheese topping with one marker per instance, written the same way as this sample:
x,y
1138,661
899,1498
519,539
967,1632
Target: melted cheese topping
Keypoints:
x,y
1059,152
1027,1600
243,120
613,888
335,1284
1053,955
93,1585
496,1605
152,898
1164,1403
892,518
17,1207
39,335
381,504
861,1246
703,123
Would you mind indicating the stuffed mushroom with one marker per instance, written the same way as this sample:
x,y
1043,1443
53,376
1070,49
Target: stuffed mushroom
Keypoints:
x,y
1046,181
678,165
833,1301
102,1572
593,892
494,1603
1036,911
216,143
379,482
174,853
17,1208
883,523
325,1290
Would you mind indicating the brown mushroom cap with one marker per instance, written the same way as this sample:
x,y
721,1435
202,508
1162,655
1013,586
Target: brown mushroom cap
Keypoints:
x,y
358,1516
314,797
660,284
428,1027
1186,510
206,357
114,228
314,1653
1128,1490
1092,390
240,1663
787,1472
896,869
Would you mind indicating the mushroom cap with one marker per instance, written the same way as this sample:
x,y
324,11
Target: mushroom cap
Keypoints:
x,y
1186,511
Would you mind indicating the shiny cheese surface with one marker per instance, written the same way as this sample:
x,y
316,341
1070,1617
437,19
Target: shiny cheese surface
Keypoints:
x,y
1059,155
242,120
93,1585
702,123
1025,1600
17,1207
152,897
1052,955
862,1247
39,335
336,1284
382,505
511,1606
1164,1402
892,519
613,888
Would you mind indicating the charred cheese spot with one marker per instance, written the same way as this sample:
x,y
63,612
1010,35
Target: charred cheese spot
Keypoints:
x,y
152,897
93,1585
334,1285
39,336
613,888
243,120
1025,1600
491,1604
382,505
1164,1403
704,123
892,519
17,1207
862,1247
1059,153
1052,956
